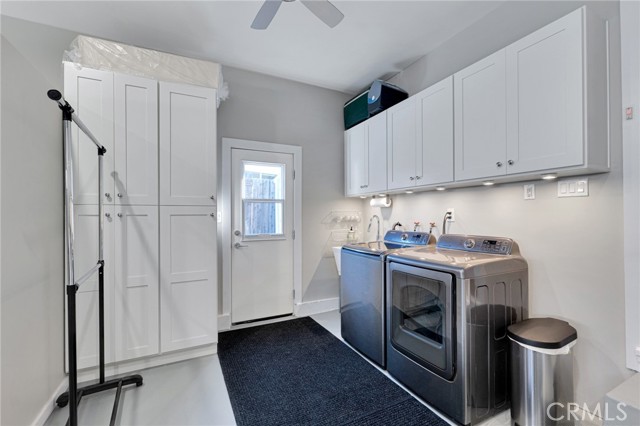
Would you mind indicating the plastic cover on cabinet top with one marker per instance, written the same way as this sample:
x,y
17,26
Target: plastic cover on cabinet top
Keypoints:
x,y
110,56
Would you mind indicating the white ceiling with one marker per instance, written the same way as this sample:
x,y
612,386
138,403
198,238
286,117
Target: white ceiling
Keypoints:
x,y
376,39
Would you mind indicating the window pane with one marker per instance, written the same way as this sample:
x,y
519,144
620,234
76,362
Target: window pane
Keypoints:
x,y
263,181
262,218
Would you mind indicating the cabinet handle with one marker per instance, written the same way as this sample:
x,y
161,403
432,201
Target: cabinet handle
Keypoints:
x,y
107,195
411,178
119,214
119,195
213,197
107,215
499,164
510,162
418,177
212,214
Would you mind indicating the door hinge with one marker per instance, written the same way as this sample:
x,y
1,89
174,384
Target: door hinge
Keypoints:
x,y
293,234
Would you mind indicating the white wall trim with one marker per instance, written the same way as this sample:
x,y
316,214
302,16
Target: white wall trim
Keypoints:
x,y
630,45
304,309
50,405
224,322
224,209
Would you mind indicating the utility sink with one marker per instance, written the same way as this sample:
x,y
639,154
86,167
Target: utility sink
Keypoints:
x,y
336,255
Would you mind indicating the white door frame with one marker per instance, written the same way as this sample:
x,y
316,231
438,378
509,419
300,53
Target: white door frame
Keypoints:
x,y
225,219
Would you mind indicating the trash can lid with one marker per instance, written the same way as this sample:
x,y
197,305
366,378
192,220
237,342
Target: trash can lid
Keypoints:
x,y
547,333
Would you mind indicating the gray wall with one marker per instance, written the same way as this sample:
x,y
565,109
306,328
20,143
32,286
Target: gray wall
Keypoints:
x,y
269,109
31,220
573,246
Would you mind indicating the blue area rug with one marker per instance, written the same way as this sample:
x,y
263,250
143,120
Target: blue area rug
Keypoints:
x,y
297,373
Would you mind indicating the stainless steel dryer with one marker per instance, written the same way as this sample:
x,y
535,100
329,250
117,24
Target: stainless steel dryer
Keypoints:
x,y
362,290
448,309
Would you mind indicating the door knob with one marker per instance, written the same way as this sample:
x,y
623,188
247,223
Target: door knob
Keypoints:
x,y
238,245
237,233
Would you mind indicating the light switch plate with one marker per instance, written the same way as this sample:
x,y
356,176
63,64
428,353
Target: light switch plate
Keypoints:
x,y
529,191
573,188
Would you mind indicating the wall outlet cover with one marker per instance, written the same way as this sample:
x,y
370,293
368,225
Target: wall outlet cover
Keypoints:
x,y
529,191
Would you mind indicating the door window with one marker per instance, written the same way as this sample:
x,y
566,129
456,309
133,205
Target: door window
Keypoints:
x,y
263,189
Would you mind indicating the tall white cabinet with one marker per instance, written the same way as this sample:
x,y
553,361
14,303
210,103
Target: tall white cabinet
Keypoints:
x,y
160,141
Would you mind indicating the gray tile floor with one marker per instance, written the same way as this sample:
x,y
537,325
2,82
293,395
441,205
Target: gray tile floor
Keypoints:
x,y
185,393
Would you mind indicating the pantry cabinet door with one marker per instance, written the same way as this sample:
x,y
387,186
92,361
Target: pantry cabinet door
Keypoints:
x,y
545,97
188,277
401,145
434,108
136,319
480,119
90,93
187,145
136,140
86,257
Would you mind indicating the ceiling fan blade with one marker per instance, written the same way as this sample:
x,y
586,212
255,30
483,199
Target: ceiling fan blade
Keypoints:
x,y
323,9
265,14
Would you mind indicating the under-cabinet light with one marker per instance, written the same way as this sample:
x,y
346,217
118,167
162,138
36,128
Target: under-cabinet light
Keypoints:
x,y
488,183
550,176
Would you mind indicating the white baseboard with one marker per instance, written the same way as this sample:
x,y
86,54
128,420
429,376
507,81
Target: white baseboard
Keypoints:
x,y
224,322
305,309
143,363
48,407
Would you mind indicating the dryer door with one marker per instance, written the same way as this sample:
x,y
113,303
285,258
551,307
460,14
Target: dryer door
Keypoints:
x,y
422,313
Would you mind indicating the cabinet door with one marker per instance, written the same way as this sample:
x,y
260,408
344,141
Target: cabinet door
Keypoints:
x,y
545,97
136,140
434,108
86,257
376,153
480,119
187,145
188,277
401,145
356,166
90,93
136,304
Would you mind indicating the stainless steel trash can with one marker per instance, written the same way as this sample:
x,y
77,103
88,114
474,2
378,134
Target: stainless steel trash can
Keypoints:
x,y
541,372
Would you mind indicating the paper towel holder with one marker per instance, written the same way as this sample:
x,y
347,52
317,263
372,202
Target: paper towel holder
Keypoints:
x,y
380,201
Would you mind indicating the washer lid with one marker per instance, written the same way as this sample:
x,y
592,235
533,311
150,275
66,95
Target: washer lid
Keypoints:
x,y
546,333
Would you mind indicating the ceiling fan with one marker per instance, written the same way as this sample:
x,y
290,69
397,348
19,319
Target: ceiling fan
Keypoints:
x,y
323,9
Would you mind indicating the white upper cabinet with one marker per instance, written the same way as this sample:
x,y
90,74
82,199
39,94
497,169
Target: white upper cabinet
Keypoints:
x,y
480,119
546,97
187,145
434,156
136,140
90,93
402,140
366,157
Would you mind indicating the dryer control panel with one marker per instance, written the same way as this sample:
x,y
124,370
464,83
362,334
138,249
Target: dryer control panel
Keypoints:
x,y
477,244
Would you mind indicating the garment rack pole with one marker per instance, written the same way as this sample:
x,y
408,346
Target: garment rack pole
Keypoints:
x,y
74,395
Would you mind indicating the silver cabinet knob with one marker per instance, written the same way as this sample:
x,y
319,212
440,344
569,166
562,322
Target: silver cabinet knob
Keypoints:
x,y
119,195
418,177
107,215
411,178
212,214
107,195
510,162
238,245
213,197
499,164
119,214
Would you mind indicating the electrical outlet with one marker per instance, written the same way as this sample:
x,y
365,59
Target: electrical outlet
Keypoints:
x,y
452,214
530,192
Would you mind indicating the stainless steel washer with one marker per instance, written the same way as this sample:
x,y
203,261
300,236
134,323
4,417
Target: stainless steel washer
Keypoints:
x,y
362,290
448,309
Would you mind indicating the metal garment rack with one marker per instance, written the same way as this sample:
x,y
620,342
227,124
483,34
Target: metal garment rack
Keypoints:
x,y
74,395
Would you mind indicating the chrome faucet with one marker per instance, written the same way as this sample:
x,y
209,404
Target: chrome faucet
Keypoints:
x,y
369,228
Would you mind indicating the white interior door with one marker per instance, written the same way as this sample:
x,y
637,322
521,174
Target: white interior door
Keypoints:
x,y
262,234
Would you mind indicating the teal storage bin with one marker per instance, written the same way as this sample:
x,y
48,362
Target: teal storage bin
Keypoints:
x,y
356,110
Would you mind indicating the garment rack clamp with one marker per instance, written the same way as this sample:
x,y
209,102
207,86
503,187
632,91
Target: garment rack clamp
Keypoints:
x,y
75,394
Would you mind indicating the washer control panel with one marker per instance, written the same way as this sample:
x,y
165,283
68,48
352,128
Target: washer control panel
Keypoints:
x,y
476,244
